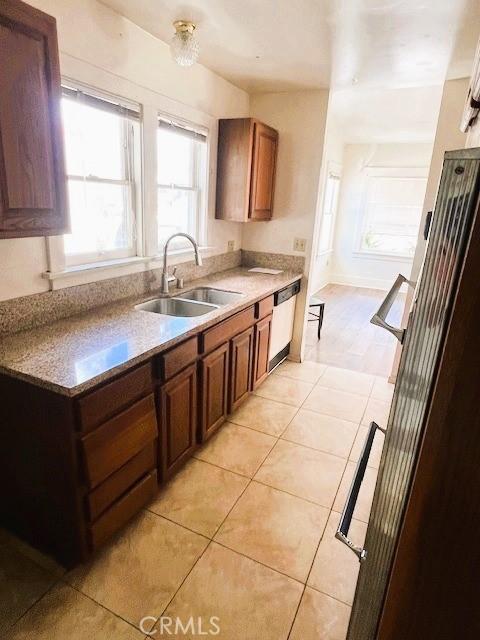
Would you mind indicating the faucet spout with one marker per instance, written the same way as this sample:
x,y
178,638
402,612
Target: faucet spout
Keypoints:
x,y
198,258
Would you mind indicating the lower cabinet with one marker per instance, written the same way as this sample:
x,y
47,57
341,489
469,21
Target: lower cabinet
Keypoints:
x,y
177,411
214,373
261,348
241,359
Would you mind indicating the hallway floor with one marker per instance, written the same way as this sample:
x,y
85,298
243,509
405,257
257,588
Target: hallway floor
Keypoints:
x,y
348,339
245,532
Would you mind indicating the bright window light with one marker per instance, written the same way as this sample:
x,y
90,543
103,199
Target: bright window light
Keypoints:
x,y
99,138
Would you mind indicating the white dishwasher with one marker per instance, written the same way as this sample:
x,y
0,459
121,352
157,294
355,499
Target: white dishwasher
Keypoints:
x,y
282,324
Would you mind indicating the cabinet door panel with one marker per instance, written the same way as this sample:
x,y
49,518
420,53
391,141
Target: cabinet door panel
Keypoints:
x,y
262,344
178,420
32,174
214,381
263,172
241,359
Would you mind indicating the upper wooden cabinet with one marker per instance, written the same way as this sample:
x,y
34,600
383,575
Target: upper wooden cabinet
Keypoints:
x,y
33,199
247,155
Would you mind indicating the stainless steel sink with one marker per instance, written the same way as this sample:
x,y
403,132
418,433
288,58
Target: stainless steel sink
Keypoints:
x,y
176,307
209,295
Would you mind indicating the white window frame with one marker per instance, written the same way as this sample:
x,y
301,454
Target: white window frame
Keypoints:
x,y
402,173
334,172
132,164
200,184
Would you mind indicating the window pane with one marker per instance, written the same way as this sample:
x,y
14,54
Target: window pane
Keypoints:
x,y
94,141
175,154
176,212
100,218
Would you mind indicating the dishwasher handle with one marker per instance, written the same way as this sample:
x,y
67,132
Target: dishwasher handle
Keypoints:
x,y
286,293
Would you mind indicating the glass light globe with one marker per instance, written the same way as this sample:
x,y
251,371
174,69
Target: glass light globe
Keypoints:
x,y
184,46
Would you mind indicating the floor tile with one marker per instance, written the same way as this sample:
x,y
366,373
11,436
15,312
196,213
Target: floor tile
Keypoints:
x,y
199,497
138,573
308,371
339,404
378,411
249,600
22,583
286,390
335,569
320,617
365,497
346,380
382,389
237,449
64,613
321,432
376,451
275,528
264,415
303,472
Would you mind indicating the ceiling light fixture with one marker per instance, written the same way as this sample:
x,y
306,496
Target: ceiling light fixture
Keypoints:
x,y
184,46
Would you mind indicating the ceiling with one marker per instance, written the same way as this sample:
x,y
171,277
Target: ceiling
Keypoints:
x,y
282,45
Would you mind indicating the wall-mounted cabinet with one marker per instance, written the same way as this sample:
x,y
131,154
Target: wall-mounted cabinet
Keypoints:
x,y
247,158
33,199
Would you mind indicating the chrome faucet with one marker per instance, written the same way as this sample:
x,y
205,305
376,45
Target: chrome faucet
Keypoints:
x,y
198,259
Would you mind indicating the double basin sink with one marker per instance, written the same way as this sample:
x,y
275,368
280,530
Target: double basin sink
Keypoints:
x,y
196,302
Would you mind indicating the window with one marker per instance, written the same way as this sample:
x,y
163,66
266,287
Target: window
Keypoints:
x,y
330,203
181,182
393,209
99,151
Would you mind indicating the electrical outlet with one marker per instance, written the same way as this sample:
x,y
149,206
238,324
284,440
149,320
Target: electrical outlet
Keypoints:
x,y
299,244
231,245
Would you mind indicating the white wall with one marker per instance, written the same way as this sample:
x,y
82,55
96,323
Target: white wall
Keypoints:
x,y
300,118
348,267
101,48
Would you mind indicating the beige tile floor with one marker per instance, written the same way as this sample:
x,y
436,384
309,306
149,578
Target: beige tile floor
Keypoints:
x,y
242,537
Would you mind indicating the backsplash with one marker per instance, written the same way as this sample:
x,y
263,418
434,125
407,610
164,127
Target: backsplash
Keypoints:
x,y
28,312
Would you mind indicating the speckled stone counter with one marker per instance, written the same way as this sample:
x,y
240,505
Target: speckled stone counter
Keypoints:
x,y
72,355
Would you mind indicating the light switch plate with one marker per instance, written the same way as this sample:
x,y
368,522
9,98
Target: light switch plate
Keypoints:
x,y
231,245
299,244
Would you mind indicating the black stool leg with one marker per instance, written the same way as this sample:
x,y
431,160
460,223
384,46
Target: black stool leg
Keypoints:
x,y
320,318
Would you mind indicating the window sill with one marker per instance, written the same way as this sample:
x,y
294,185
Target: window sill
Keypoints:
x,y
392,257
93,267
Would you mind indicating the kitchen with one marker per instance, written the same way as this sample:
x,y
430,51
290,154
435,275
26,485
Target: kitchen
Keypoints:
x,y
168,451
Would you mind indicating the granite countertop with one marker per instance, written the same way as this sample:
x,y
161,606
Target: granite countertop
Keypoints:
x,y
72,355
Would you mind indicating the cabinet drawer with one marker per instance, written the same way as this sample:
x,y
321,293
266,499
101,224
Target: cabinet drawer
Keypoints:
x,y
123,510
113,444
116,485
264,307
105,402
225,330
177,358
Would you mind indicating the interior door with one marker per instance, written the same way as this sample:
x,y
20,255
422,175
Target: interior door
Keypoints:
x,y
265,140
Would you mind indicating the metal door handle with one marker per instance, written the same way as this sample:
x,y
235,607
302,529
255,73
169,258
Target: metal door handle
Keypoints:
x,y
347,513
380,317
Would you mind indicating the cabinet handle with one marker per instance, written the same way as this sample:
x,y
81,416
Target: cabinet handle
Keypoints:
x,y
380,317
347,513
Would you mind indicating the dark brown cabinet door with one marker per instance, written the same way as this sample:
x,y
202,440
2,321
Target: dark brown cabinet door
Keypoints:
x,y
177,408
262,344
241,359
214,394
33,198
265,141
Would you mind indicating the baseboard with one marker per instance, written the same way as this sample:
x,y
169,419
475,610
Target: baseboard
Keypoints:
x,y
362,282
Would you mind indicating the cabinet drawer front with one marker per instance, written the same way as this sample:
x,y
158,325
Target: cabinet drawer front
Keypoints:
x,y
264,307
116,485
110,446
177,358
225,330
108,400
123,510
